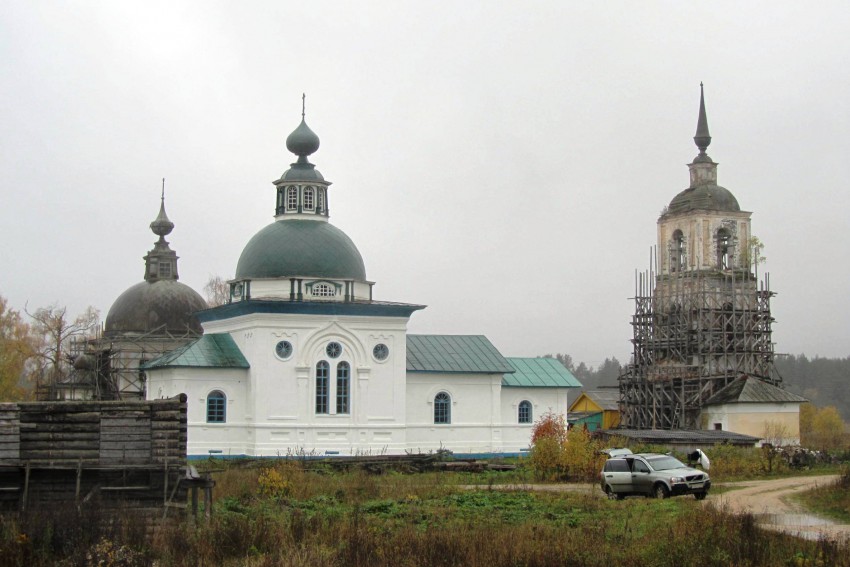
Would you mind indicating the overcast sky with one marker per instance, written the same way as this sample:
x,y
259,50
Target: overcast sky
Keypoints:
x,y
504,163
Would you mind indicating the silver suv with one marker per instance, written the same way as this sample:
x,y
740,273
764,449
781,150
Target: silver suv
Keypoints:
x,y
651,474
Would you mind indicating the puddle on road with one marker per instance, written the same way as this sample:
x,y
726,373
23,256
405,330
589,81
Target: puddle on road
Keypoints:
x,y
802,525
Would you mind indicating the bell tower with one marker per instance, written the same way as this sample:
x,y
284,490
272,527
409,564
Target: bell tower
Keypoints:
x,y
702,317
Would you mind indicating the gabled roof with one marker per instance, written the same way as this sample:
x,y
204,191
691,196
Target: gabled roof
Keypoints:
x,y
752,390
539,373
454,353
216,350
606,398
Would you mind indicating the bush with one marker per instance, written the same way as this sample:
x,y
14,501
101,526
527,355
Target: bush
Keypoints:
x,y
561,454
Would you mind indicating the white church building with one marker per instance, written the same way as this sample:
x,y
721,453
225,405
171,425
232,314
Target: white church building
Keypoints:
x,y
303,359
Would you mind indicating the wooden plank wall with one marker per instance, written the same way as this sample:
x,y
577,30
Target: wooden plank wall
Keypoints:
x,y
79,450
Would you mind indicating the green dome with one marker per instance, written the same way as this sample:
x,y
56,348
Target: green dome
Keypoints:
x,y
305,248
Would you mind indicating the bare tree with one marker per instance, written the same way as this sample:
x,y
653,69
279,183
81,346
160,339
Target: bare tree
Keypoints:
x,y
774,436
217,291
54,332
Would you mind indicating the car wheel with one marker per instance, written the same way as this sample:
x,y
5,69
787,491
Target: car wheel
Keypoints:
x,y
660,491
700,495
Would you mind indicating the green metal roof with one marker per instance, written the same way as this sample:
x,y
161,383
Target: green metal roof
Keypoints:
x,y
297,247
217,350
454,353
539,373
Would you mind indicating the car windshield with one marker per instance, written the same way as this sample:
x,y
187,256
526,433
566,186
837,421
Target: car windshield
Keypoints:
x,y
665,463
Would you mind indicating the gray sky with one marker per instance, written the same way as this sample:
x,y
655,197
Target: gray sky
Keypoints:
x,y
502,162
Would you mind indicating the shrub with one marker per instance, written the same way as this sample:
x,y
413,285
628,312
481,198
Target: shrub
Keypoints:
x,y
559,454
272,484
580,455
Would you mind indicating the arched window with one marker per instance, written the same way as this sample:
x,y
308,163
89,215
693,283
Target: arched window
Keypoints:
x,y
724,249
322,386
308,198
292,198
525,411
320,198
677,252
343,387
216,407
324,290
442,408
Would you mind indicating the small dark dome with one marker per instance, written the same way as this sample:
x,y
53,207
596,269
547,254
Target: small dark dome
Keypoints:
x,y
163,305
307,248
704,197
85,362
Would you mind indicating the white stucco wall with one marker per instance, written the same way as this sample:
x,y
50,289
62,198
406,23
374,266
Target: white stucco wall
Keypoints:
x,y
235,436
516,437
283,392
751,419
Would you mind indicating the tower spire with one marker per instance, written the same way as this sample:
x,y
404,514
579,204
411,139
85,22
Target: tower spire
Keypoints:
x,y
702,138
161,262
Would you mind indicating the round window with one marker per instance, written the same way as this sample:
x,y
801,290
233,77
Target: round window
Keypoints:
x,y
283,349
381,351
334,349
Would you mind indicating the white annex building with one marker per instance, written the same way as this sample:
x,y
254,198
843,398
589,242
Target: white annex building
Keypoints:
x,y
303,359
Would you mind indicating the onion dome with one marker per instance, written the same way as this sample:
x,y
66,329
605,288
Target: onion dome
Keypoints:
x,y
302,141
704,193
160,304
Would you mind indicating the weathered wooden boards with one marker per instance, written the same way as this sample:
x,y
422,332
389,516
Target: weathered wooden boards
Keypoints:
x,y
82,450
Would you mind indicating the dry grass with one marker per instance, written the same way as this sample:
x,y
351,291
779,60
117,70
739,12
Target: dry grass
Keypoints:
x,y
350,519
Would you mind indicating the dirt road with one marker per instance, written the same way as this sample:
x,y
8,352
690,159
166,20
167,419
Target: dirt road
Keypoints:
x,y
770,501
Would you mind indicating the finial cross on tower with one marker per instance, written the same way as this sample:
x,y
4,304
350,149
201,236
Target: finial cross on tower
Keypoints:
x,y
162,198
303,104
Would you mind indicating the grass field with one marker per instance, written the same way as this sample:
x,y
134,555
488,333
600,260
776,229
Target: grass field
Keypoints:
x,y
276,513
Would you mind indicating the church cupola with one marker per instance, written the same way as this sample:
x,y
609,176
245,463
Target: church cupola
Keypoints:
x,y
703,227
302,192
161,262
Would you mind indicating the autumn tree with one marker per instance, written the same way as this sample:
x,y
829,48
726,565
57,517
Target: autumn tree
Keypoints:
x,y
547,440
54,332
217,291
825,432
17,348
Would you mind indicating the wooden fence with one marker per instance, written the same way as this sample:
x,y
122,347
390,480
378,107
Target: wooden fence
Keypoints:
x,y
114,453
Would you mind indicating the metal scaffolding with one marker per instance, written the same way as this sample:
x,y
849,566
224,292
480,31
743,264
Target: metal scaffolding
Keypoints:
x,y
694,332
107,368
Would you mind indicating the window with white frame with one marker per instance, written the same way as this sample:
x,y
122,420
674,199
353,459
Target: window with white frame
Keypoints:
x,y
442,408
324,290
524,412
320,199
343,388
322,386
308,198
292,198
